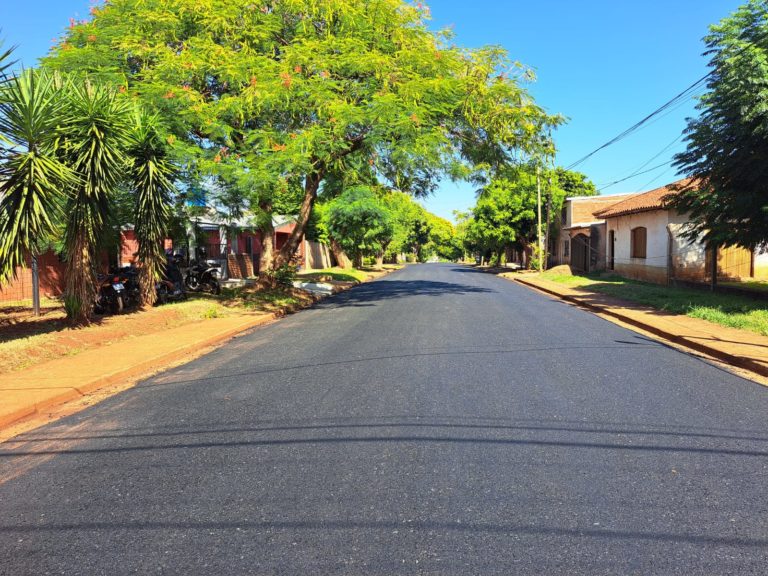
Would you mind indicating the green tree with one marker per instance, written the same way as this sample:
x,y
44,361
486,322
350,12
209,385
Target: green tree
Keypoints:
x,y
442,239
151,177
360,223
32,175
302,89
727,144
408,218
505,214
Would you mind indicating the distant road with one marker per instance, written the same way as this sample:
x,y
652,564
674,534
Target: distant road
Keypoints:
x,y
438,421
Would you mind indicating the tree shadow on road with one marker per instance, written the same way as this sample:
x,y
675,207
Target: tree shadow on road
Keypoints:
x,y
369,294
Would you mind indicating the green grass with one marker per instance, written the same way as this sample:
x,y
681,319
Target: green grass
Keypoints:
x,y
756,285
336,274
261,300
729,310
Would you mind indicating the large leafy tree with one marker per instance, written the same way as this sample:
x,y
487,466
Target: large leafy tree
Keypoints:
x,y
360,223
303,89
727,144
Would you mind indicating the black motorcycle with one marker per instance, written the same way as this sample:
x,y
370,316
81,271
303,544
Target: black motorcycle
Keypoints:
x,y
111,297
202,277
129,278
171,287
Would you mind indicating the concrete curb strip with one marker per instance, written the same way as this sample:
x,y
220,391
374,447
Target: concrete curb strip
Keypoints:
x,y
714,351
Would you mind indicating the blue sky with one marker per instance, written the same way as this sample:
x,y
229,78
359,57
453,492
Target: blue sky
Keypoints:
x,y
604,64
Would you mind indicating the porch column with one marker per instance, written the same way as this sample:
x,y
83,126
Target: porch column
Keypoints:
x,y
191,240
223,251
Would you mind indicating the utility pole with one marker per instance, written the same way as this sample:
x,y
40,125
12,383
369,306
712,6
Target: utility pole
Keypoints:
x,y
538,223
548,223
35,287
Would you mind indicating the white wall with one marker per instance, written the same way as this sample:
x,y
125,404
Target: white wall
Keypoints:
x,y
655,223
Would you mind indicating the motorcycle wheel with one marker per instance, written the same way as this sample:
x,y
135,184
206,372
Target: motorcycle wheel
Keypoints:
x,y
191,284
162,295
211,286
118,305
99,308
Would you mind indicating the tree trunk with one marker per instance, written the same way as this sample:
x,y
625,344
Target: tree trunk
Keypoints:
x,y
311,186
338,254
80,285
267,256
380,260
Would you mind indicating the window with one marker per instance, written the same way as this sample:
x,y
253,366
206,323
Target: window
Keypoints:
x,y
248,245
566,248
638,242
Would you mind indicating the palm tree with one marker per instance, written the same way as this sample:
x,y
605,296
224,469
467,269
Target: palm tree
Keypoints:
x,y
65,148
95,136
151,178
31,173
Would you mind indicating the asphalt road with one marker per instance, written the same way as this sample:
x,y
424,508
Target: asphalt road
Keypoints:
x,y
439,421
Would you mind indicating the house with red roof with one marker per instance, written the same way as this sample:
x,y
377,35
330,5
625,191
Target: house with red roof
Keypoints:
x,y
646,241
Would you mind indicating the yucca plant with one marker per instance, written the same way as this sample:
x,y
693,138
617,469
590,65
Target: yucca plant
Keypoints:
x,y
32,176
96,134
151,177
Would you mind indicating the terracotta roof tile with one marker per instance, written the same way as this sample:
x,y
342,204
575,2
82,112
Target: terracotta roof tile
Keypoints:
x,y
647,201
583,209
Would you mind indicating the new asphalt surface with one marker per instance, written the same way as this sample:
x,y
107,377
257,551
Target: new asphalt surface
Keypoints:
x,y
438,421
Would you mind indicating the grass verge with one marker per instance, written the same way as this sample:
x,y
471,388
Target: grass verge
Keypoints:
x,y
343,274
728,310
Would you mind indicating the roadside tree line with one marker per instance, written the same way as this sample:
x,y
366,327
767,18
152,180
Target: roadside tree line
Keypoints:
x,y
258,108
504,219
382,225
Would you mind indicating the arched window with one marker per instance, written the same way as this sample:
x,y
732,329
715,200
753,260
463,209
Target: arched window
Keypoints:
x,y
638,242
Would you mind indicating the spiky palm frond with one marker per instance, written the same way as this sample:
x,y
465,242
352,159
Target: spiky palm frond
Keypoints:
x,y
151,175
5,63
32,177
97,127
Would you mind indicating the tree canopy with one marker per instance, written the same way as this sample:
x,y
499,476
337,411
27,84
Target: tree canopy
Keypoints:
x,y
726,157
360,223
287,92
505,215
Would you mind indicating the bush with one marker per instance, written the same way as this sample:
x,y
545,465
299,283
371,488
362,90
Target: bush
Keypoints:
x,y
282,276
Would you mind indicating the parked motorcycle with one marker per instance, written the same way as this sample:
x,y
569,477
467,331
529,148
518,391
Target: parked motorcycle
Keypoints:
x,y
171,287
202,277
129,278
111,296
168,292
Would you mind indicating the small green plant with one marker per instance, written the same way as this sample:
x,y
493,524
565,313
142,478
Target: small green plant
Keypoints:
x,y
210,313
282,276
72,307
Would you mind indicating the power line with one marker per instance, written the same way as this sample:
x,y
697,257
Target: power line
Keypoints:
x,y
685,93
667,163
639,170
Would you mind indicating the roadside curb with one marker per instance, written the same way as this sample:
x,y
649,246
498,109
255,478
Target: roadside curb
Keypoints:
x,y
138,370
734,360
158,363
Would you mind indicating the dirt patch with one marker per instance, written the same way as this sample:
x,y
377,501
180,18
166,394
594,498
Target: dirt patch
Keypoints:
x,y
32,340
